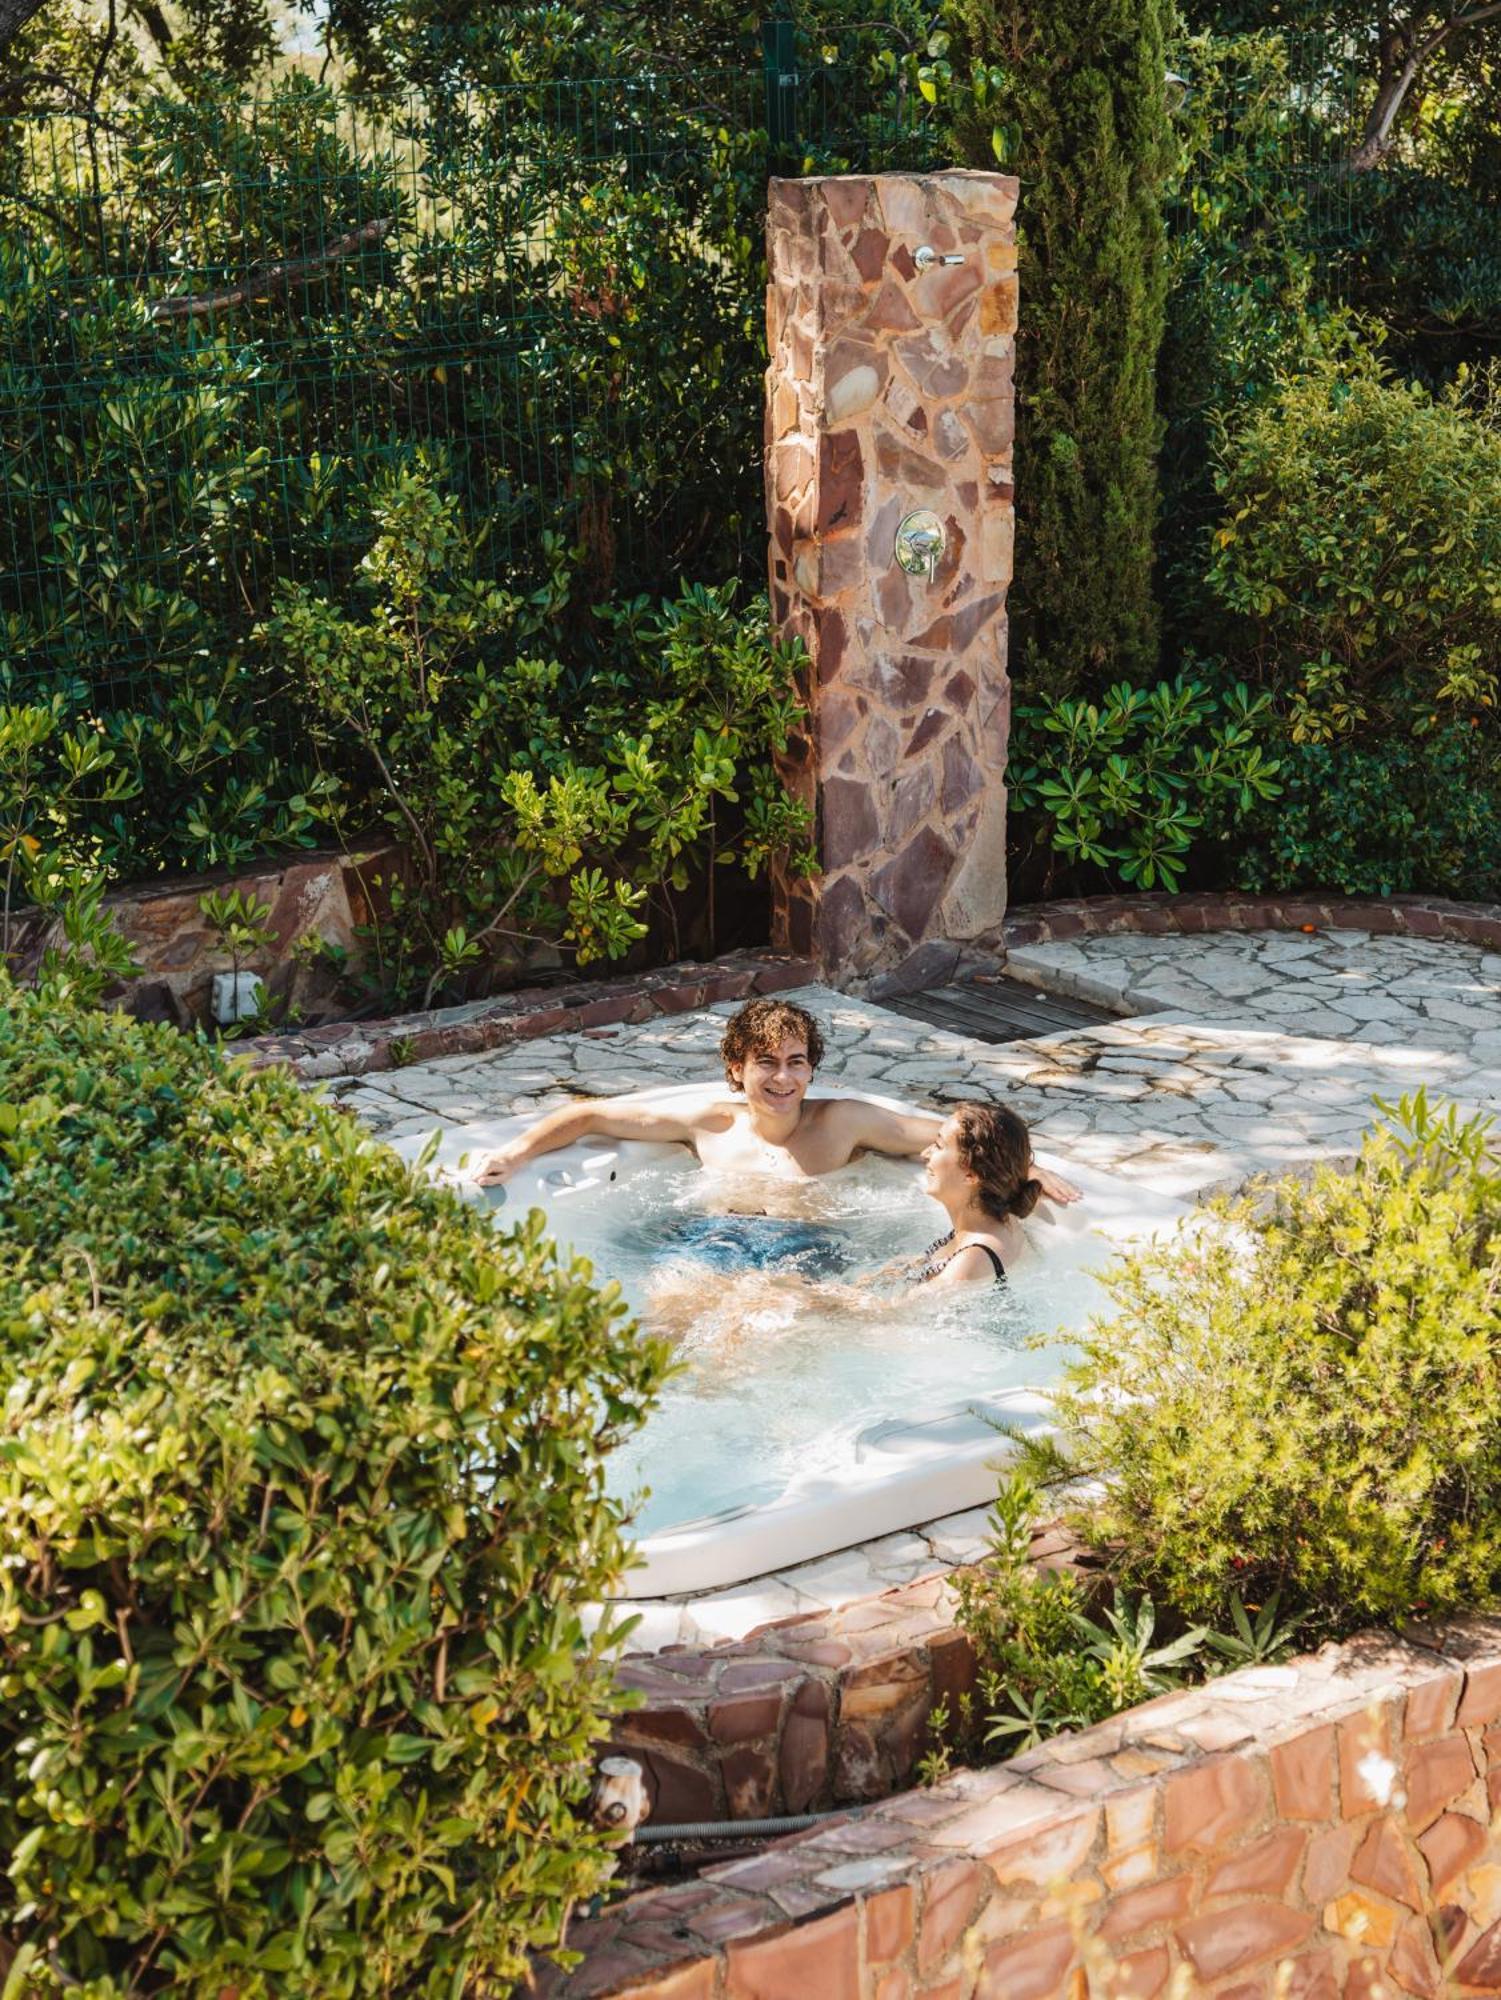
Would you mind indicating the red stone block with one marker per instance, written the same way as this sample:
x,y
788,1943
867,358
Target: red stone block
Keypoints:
x,y
1326,1871
1437,1773
803,1755
1449,1846
1414,1964
546,1021
679,1792
1161,1902
744,1717
952,1898
888,1924
953,1666
680,999
1263,1869
1031,1967
1481,1964
1481,1700
1226,1940
1303,1775
819,1959
1430,1706
1213,1803
1141,1976
605,1013
1384,1862
664,1725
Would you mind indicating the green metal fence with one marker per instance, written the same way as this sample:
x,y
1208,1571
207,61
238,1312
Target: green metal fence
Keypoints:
x,y
221,324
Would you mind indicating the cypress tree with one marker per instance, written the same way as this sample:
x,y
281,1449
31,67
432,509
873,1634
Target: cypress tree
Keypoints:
x,y
1070,96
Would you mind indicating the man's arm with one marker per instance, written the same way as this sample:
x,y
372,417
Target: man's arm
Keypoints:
x,y
593,1118
902,1133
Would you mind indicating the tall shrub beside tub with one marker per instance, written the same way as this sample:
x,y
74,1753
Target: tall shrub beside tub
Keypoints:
x,y
300,1494
1306,1408
1069,96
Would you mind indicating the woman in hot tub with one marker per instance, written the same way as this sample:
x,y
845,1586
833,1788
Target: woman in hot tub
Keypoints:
x,y
978,1168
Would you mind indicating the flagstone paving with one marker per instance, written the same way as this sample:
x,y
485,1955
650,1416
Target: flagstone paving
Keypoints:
x,y
1240,1054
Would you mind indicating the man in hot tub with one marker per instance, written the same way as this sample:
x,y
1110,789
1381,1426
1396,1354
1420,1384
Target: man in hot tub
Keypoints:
x,y
766,1130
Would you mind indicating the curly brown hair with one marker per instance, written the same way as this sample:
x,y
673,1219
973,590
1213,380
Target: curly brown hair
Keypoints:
x,y
996,1147
757,1029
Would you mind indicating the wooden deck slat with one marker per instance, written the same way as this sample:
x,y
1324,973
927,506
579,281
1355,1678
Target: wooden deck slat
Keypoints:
x,y
999,1010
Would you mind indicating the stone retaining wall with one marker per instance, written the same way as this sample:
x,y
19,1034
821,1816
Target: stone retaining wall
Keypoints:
x,y
327,895
808,1712
354,1048
1308,1831
1162,915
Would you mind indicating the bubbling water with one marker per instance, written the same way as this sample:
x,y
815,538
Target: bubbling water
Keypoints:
x,y
785,1368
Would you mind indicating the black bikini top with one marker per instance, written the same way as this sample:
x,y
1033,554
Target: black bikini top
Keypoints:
x,y
931,1270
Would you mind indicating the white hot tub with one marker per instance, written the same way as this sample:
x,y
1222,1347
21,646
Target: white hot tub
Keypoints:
x,y
801,1425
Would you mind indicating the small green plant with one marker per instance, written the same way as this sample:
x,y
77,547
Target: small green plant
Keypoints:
x,y
1129,783
1256,1638
237,920
1046,1665
47,770
937,1761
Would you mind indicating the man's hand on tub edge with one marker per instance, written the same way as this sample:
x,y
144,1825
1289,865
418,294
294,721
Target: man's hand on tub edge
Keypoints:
x,y
498,1166
1054,1186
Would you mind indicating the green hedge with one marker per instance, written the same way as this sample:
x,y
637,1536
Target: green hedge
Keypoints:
x,y
300,1494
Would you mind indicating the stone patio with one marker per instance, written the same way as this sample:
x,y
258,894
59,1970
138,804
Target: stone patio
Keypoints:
x,y
1240,1054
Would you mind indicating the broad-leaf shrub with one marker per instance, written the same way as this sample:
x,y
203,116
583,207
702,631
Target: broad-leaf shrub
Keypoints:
x,y
1130,784
1400,814
300,1497
535,802
1310,1402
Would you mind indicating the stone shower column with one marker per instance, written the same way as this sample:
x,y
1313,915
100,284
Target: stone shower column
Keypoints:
x,y
889,391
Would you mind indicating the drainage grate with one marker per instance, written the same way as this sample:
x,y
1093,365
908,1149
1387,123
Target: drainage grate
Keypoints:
x,y
998,1009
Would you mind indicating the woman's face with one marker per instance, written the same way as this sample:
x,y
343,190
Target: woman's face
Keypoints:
x,y
947,1178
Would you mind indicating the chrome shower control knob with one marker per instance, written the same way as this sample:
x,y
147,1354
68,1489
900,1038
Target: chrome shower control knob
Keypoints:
x,y
926,258
920,540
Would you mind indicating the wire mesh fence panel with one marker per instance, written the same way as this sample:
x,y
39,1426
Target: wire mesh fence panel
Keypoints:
x,y
224,323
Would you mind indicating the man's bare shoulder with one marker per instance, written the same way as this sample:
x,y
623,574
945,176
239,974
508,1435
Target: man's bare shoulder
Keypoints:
x,y
719,1116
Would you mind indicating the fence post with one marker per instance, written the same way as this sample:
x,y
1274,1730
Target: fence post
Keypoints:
x,y
779,67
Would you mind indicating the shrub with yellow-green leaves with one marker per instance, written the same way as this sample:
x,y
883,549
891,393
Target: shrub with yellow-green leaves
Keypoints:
x,y
1309,1402
301,1493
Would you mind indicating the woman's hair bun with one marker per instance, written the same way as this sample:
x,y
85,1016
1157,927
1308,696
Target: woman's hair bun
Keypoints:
x,y
1026,1198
